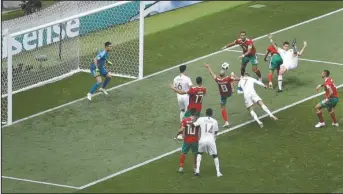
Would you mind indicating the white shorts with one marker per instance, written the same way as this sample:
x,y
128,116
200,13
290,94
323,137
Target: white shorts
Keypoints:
x,y
208,145
183,101
291,64
251,99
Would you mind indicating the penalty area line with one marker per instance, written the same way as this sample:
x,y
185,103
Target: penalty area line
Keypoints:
x,y
178,149
174,67
39,182
301,59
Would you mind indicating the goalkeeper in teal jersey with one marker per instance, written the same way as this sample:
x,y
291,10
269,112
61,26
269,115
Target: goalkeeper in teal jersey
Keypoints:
x,y
98,69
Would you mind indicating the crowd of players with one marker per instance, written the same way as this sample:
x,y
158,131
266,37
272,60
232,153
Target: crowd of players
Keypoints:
x,y
199,133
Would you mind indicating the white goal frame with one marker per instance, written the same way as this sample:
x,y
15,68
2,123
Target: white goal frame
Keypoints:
x,y
10,37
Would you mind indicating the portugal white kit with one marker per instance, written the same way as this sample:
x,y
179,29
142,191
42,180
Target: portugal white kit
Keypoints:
x,y
182,82
247,84
290,60
208,130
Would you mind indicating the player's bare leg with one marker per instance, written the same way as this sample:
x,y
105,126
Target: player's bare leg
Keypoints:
x,y
254,115
224,115
197,170
216,164
107,80
182,114
257,72
266,109
333,117
319,112
95,87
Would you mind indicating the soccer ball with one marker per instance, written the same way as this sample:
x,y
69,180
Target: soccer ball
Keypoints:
x,y
225,66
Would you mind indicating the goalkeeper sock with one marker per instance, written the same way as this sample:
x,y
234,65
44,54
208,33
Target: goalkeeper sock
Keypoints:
x,y
280,82
198,163
94,88
182,160
107,80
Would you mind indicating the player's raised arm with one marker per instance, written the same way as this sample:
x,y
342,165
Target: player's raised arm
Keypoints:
x,y
210,70
176,90
270,36
229,45
303,49
180,131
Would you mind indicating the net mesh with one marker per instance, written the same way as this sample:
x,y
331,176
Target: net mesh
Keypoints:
x,y
52,53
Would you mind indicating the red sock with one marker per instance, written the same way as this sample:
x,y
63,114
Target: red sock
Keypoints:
x,y
333,116
182,160
320,116
224,115
270,77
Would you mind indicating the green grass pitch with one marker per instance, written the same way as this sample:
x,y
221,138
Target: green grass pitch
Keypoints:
x,y
78,144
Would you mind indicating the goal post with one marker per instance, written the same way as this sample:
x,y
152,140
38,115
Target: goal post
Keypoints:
x,y
65,46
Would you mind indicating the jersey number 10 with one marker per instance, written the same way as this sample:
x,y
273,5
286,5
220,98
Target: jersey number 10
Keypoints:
x,y
190,130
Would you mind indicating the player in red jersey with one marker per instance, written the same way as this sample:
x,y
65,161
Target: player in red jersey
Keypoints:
x,y
196,95
274,64
225,90
330,101
249,53
191,138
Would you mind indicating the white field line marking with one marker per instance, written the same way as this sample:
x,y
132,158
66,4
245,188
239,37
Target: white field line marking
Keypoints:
x,y
178,149
301,59
168,69
39,182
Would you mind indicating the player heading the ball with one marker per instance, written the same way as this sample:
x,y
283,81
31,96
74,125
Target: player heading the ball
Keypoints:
x,y
330,101
98,69
246,86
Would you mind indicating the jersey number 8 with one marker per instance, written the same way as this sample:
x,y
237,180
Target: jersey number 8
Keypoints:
x,y
224,88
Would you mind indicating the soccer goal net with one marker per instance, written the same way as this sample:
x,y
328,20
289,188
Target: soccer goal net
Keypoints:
x,y
63,40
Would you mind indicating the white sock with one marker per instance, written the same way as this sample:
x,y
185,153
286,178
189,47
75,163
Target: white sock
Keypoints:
x,y
265,108
199,156
253,114
280,82
182,113
216,164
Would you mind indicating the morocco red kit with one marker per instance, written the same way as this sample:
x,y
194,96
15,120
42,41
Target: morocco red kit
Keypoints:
x,y
329,83
224,84
245,44
196,95
190,131
272,50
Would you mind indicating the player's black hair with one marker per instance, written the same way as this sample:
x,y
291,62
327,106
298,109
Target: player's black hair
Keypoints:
x,y
243,32
286,42
182,68
327,72
193,111
209,112
198,80
107,44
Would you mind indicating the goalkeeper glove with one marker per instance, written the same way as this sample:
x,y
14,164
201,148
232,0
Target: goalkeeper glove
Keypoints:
x,y
97,72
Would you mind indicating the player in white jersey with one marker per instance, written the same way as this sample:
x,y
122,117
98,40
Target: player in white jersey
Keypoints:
x,y
246,86
289,56
207,141
182,82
